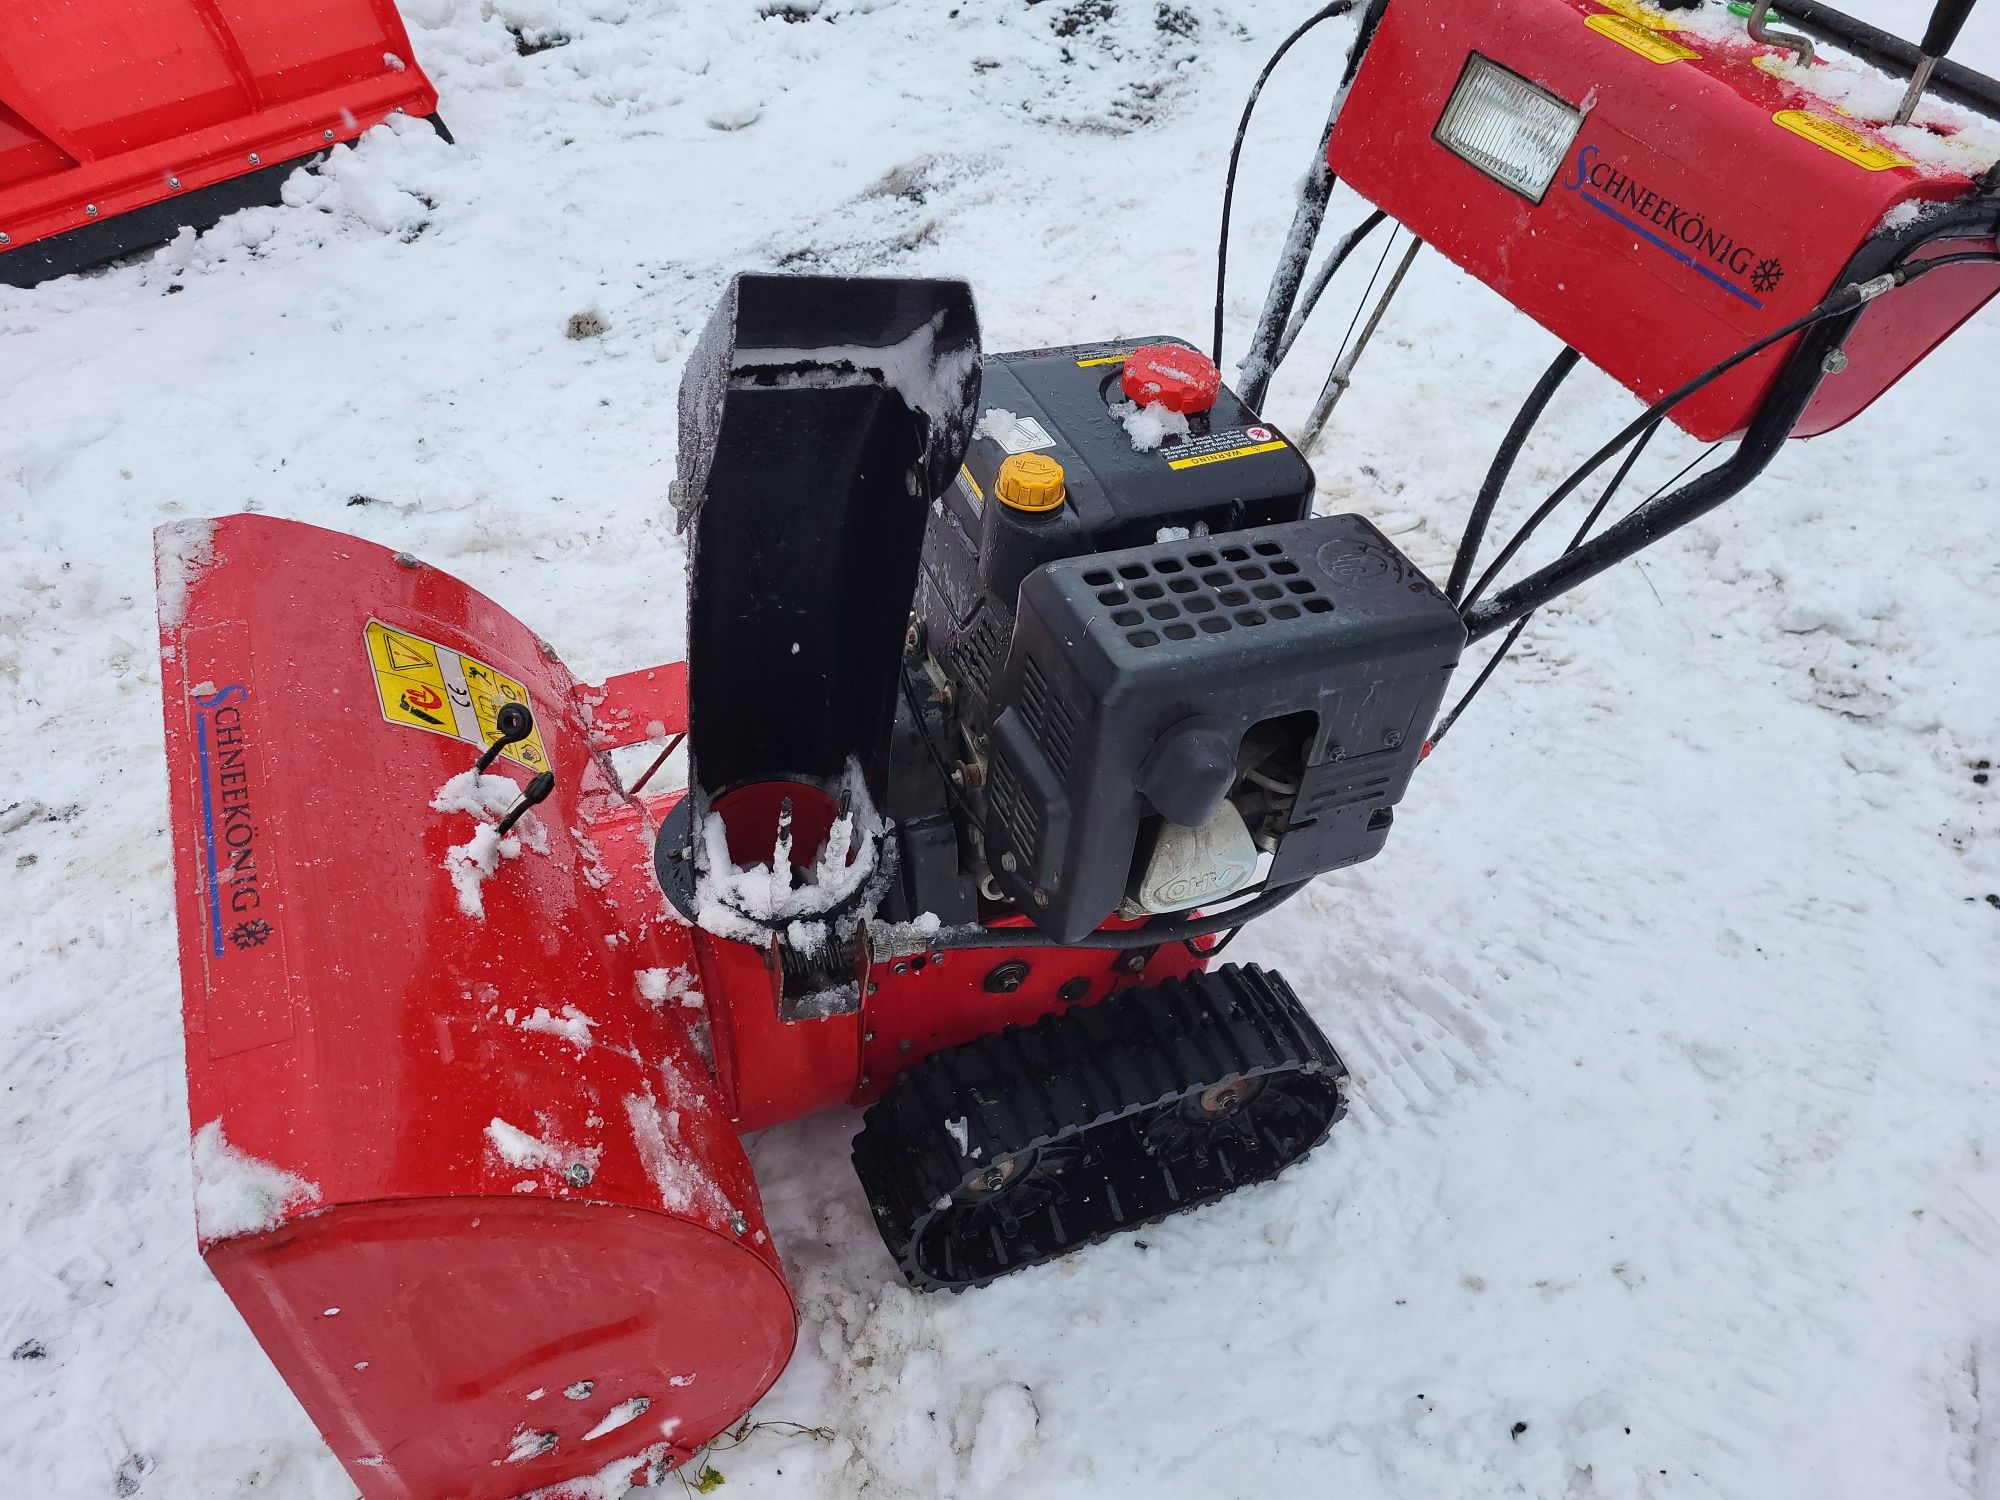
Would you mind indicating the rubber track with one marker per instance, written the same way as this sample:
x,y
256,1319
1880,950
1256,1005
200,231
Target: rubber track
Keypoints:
x,y
1083,1087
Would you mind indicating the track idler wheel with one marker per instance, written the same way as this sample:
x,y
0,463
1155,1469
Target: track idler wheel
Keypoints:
x,y
1018,1147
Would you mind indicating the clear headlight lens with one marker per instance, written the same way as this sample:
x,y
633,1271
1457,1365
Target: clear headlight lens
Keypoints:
x,y
1514,131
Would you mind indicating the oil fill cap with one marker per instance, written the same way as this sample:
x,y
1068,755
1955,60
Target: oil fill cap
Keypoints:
x,y
1030,481
1180,379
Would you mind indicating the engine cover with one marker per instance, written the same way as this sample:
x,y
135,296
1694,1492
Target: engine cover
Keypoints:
x,y
1290,670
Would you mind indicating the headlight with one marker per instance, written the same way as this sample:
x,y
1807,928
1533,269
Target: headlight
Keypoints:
x,y
1512,130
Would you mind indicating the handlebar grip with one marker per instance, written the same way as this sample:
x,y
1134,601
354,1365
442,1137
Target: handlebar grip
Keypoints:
x,y
1946,22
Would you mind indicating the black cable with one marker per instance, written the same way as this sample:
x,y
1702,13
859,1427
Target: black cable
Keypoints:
x,y
1847,299
1193,945
1324,13
1577,541
1330,267
1503,465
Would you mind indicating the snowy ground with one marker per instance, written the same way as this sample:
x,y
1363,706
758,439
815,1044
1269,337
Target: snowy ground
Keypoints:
x,y
1672,1007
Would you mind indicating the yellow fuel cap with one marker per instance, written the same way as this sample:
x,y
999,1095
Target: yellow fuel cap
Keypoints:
x,y
1031,482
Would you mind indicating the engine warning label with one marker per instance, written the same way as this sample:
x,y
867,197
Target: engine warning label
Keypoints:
x,y
423,685
1220,447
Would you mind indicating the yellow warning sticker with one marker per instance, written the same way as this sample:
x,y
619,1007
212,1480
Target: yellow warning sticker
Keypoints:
x,y
971,485
427,686
1831,135
1198,459
1642,15
1640,38
1103,359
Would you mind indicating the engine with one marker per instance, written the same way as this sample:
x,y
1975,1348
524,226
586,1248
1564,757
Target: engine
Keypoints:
x,y
1141,677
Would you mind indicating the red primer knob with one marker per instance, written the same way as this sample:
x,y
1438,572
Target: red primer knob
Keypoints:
x,y
1180,379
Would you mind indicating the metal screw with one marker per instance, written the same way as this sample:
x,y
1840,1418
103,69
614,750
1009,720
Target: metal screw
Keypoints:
x,y
3,239
865,1080
1393,738
1008,863
326,135
256,160
577,1174
1835,361
899,967
399,109
174,182
1041,897
738,1223
912,483
867,1036
90,210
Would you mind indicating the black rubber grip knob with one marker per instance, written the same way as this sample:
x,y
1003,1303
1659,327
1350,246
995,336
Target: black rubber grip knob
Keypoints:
x,y
1946,22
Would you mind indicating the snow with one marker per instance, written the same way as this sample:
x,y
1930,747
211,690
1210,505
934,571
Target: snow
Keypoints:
x,y
182,551
516,1147
910,367
235,1193
1670,1003
572,1025
569,1165
745,901
612,1482
1150,425
658,986
673,1169
618,1417
471,864
529,1444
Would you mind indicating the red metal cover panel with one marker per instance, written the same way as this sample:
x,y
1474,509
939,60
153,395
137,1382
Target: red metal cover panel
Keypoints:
x,y
454,1158
1705,200
114,107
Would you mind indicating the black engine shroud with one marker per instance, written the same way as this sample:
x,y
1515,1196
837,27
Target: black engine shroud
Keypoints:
x,y
1177,685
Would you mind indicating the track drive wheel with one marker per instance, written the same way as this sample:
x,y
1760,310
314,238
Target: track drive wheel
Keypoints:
x,y
1020,1146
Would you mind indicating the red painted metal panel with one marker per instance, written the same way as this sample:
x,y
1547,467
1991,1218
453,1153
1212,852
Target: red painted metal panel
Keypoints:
x,y
1685,221
478,1139
108,106
648,704
452,1164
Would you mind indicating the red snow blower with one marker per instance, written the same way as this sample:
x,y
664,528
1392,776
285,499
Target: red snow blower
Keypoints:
x,y
121,123
1015,686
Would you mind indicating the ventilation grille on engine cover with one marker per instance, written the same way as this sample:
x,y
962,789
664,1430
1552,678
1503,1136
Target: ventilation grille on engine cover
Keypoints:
x,y
1047,717
1021,815
979,650
1207,590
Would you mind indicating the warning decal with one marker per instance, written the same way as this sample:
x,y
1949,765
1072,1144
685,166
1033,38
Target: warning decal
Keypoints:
x,y
1220,447
969,487
427,686
1830,135
1103,359
1642,15
1641,39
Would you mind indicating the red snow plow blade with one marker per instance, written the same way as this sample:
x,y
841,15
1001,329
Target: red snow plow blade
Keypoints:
x,y
122,122
459,1160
